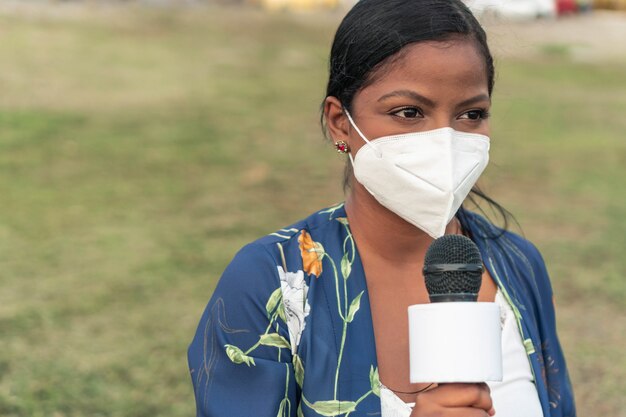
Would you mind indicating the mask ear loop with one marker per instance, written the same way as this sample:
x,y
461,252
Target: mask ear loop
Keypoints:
x,y
360,134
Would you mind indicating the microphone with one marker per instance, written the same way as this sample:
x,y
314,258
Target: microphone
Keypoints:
x,y
453,269
454,338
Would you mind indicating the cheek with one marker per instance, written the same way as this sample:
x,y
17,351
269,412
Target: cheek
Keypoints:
x,y
355,141
486,128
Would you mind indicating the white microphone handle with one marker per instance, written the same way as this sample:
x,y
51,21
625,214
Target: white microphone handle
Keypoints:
x,y
455,342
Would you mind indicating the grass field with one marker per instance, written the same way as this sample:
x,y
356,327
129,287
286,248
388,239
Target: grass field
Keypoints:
x,y
140,148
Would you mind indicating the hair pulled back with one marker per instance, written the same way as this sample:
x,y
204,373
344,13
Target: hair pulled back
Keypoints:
x,y
375,31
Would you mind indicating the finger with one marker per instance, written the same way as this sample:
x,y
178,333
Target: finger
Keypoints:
x,y
485,401
492,411
462,395
467,412
455,412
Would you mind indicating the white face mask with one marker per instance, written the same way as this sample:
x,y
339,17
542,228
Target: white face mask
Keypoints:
x,y
422,177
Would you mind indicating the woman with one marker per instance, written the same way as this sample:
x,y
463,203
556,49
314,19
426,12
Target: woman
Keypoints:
x,y
312,320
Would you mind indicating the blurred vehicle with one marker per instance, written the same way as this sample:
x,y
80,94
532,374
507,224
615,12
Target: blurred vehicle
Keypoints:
x,y
609,4
513,9
566,6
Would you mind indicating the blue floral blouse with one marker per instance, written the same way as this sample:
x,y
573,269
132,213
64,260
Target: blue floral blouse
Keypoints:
x,y
288,330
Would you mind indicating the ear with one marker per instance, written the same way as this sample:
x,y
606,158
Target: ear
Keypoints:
x,y
336,121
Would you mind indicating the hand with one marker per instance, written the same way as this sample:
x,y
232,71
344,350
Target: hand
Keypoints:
x,y
454,400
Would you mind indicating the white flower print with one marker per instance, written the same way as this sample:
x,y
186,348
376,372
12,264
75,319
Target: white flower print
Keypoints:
x,y
295,302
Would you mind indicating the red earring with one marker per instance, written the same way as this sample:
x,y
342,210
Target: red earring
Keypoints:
x,y
342,146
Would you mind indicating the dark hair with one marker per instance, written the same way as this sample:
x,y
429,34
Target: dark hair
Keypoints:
x,y
374,31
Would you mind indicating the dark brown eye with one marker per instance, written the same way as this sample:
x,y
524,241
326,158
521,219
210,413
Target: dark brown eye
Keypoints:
x,y
407,113
475,114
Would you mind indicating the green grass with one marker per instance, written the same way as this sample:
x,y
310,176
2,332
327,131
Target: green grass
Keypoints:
x,y
141,148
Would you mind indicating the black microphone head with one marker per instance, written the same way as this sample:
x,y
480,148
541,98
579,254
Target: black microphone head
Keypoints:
x,y
453,269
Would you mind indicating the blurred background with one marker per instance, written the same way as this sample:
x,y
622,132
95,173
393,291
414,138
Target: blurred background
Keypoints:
x,y
144,142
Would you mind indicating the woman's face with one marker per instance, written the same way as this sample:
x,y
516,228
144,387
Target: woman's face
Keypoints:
x,y
429,86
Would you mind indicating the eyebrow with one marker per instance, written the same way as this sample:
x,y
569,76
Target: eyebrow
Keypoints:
x,y
475,99
409,94
429,102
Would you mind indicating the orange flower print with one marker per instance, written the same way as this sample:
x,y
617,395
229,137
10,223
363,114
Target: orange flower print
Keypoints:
x,y
312,253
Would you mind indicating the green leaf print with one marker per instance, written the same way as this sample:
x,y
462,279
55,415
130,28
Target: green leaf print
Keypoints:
x,y
318,248
346,266
354,307
281,311
273,302
237,356
331,408
284,409
298,369
332,210
375,381
274,339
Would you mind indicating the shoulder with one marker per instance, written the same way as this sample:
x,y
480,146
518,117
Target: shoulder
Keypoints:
x,y
485,233
508,249
282,250
321,224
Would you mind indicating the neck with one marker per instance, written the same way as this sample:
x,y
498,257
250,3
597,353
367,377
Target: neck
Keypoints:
x,y
384,234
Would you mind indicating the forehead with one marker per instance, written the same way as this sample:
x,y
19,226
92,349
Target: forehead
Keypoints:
x,y
442,69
